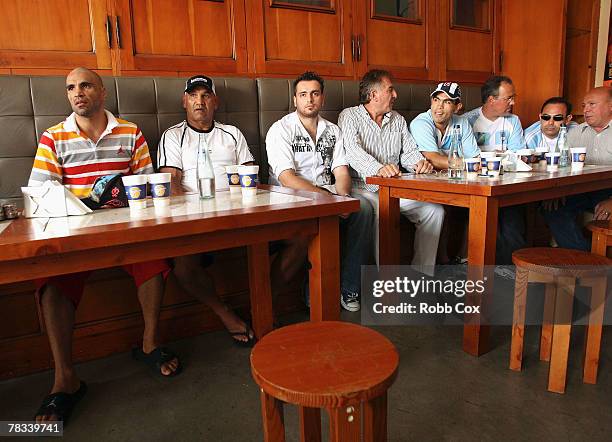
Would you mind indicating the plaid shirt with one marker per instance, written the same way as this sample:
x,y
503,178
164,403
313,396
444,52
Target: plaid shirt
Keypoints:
x,y
369,147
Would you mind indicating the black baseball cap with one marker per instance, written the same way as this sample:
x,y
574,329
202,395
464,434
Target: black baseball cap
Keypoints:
x,y
200,80
451,89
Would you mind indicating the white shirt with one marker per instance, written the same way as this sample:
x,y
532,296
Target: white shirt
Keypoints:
x,y
504,133
178,148
289,146
369,147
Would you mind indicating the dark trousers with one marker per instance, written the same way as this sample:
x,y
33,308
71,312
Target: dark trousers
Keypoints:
x,y
510,233
562,222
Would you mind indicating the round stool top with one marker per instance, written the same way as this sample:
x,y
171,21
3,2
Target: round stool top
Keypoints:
x,y
600,226
561,262
324,364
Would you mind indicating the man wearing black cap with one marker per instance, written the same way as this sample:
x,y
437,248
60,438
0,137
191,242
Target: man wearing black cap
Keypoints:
x,y
177,154
432,130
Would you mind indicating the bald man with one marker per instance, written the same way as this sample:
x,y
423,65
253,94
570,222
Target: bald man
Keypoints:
x,y
596,134
71,152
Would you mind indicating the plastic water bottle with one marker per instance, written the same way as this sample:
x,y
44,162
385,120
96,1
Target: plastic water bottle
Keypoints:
x,y
205,173
562,147
455,155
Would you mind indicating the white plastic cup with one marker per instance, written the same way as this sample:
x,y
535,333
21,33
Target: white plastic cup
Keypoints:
x,y
552,161
472,167
578,157
233,178
248,180
136,190
494,166
160,188
540,157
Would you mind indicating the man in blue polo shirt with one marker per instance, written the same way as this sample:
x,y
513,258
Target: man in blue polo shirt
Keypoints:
x,y
545,132
432,130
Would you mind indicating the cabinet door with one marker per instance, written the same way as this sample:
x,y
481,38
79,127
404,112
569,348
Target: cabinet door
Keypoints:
x,y
399,38
54,34
182,35
292,36
533,51
469,49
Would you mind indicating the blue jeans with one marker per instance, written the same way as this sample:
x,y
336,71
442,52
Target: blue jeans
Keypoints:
x,y
562,222
510,233
355,246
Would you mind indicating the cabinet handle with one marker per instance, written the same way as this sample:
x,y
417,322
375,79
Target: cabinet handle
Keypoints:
x,y
109,32
118,32
359,48
353,47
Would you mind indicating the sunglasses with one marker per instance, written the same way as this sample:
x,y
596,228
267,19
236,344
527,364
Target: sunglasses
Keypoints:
x,y
547,117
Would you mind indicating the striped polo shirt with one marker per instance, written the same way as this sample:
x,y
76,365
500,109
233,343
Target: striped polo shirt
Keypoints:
x,y
369,147
67,156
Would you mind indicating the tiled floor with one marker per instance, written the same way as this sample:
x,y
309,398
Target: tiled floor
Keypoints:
x,y
441,394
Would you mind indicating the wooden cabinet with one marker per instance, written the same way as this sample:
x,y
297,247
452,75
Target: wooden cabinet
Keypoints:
x,y
53,34
290,37
469,47
533,52
181,35
398,38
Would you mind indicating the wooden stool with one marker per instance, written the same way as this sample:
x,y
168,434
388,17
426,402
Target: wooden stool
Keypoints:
x,y
559,269
339,366
602,236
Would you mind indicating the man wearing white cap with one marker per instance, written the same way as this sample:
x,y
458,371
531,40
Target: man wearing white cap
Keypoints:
x,y
177,154
432,130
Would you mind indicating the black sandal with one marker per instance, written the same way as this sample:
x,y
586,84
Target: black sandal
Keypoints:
x,y
157,358
61,404
250,335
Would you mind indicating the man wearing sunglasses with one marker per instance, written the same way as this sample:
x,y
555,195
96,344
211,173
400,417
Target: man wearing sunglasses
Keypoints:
x,y
596,135
544,133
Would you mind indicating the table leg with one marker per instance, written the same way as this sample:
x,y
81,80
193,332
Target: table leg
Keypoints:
x,y
557,371
262,313
324,277
388,228
345,423
482,238
272,416
310,424
375,419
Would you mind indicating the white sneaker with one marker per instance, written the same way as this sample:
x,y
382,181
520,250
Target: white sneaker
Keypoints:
x,y
350,301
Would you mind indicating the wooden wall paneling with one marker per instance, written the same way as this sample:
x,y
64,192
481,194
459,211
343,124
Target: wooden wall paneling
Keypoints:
x,y
467,55
293,40
54,34
580,50
182,35
533,45
409,49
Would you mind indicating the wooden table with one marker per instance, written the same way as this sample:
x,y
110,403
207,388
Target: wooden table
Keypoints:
x,y
42,247
483,197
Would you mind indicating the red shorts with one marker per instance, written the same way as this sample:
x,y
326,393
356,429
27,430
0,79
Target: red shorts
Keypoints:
x,y
72,284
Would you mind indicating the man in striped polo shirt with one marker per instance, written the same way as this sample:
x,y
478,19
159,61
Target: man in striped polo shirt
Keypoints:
x,y
91,143
377,141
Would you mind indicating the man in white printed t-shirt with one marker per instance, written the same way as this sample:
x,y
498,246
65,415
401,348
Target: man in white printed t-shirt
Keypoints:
x,y
496,129
177,154
494,126
305,151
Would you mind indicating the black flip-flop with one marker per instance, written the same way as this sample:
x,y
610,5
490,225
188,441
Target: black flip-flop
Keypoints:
x,y
61,404
157,358
250,335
